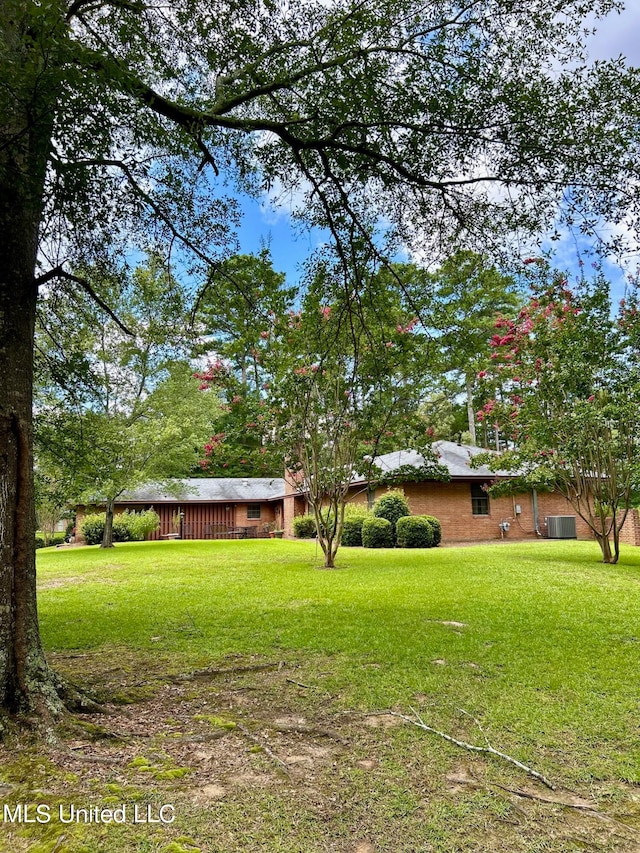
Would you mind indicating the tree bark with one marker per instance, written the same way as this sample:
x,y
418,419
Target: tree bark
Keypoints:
x,y
26,115
471,417
107,536
605,546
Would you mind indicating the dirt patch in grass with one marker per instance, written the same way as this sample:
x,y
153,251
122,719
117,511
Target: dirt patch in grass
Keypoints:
x,y
257,755
57,583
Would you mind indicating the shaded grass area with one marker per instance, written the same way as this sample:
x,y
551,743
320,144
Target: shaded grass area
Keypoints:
x,y
536,643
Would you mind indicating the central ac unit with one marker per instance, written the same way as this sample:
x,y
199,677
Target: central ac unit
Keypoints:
x,y
561,527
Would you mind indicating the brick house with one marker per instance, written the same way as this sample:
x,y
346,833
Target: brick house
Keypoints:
x,y
467,513
208,508
247,507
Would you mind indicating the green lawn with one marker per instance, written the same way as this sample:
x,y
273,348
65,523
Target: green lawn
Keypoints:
x,y
543,652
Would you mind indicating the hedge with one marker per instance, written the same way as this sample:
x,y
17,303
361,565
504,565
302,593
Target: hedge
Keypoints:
x,y
304,527
392,506
127,526
437,529
377,533
56,539
414,531
352,531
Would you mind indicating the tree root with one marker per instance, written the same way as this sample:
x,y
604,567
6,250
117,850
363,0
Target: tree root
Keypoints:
x,y
75,700
296,728
213,672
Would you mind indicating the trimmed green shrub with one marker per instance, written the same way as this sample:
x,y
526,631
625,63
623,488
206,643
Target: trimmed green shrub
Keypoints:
x,y
39,542
352,531
437,529
414,531
354,515
377,532
304,527
392,506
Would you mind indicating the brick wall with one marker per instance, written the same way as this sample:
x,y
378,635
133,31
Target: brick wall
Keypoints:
x,y
630,533
293,504
451,504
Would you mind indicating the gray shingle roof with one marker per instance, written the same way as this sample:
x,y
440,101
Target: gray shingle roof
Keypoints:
x,y
455,458
194,490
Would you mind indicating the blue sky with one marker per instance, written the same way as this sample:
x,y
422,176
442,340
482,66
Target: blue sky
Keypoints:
x,y
290,246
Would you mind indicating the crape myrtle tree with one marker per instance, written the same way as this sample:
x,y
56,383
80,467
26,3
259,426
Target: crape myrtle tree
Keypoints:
x,y
347,381
567,374
124,120
239,444
116,409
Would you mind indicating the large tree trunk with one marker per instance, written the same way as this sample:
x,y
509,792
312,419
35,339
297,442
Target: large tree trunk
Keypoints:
x,y
25,131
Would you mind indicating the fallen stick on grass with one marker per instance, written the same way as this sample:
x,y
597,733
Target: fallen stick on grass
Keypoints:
x,y
417,720
263,746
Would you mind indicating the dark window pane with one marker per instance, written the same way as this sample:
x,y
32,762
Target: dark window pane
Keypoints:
x,y
479,500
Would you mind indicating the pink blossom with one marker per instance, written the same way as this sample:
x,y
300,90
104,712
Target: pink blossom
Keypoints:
x,y
325,310
264,335
482,374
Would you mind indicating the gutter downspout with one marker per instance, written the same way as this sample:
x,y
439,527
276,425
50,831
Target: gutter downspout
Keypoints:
x,y
534,501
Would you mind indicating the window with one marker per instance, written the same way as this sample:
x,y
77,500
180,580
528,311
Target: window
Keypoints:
x,y
479,500
254,511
